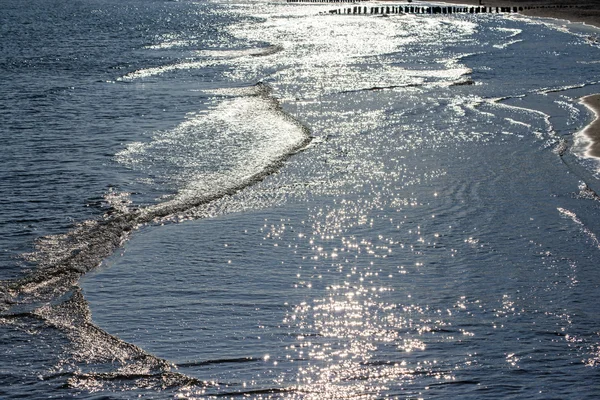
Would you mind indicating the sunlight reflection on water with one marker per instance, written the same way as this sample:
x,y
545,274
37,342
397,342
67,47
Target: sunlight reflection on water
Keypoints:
x,y
414,251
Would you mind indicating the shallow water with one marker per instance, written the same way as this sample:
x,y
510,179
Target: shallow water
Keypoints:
x,y
294,205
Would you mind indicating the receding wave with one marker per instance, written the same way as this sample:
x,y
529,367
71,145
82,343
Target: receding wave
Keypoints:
x,y
201,61
168,44
148,72
561,88
572,216
50,293
507,44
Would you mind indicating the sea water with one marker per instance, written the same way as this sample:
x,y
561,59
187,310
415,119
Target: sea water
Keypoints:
x,y
253,199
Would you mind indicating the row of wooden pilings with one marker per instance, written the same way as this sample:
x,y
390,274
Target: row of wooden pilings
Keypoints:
x,y
396,9
424,10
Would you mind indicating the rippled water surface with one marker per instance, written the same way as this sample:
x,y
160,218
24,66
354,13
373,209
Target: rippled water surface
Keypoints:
x,y
253,199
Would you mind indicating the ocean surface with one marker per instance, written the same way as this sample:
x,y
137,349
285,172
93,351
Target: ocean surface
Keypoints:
x,y
256,199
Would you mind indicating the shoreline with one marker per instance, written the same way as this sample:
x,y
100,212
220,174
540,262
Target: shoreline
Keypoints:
x,y
592,130
587,12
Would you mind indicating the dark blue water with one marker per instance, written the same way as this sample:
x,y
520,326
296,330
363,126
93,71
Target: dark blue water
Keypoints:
x,y
250,199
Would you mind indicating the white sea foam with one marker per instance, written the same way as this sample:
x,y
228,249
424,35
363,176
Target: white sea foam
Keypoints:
x,y
149,72
515,122
588,232
507,44
560,88
168,44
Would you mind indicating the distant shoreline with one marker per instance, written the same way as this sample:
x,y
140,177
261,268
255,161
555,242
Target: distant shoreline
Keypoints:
x,y
584,11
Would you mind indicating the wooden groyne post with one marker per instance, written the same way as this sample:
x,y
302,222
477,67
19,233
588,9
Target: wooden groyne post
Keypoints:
x,y
404,9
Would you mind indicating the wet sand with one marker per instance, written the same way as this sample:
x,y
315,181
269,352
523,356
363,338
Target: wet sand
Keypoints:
x,y
592,131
